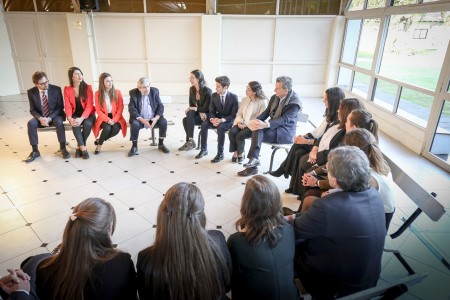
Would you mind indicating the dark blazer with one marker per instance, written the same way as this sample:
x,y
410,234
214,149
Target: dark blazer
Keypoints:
x,y
228,112
134,107
55,102
205,99
342,238
286,124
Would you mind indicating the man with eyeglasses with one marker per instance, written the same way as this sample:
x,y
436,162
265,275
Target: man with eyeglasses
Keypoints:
x,y
47,109
146,111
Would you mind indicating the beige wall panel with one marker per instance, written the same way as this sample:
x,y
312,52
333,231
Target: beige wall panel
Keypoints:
x,y
245,73
26,70
303,39
302,74
174,38
24,35
120,38
124,71
178,73
57,73
248,39
56,36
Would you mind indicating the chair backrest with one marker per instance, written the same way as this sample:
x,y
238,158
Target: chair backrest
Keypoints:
x,y
302,117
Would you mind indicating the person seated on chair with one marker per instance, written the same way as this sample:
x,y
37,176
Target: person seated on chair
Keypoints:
x,y
196,113
341,237
222,111
146,111
304,143
283,111
251,107
109,108
47,109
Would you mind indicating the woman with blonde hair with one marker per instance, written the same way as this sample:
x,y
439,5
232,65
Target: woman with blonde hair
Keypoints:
x,y
109,108
263,249
186,261
87,265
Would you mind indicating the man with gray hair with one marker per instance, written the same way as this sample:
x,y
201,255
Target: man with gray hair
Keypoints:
x,y
146,111
341,237
276,124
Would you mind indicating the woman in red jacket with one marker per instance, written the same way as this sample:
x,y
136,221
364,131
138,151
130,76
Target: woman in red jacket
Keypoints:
x,y
109,108
79,106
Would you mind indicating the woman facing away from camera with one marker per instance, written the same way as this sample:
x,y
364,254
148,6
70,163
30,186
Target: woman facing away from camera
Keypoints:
x,y
263,249
87,265
79,107
196,113
186,261
251,106
109,108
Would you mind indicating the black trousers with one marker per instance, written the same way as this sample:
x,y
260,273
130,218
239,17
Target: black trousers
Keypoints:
x,y
108,131
221,129
237,138
192,118
83,131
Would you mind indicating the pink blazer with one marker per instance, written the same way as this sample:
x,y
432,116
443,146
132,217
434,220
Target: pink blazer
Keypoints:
x,y
69,102
102,113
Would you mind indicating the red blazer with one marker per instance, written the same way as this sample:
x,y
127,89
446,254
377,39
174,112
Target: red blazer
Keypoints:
x,y
70,106
102,113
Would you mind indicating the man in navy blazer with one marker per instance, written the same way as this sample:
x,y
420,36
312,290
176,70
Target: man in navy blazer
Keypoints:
x,y
283,111
341,236
146,111
222,112
47,109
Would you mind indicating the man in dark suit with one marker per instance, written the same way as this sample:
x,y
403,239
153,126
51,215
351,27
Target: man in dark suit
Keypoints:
x,y
222,111
341,236
146,111
283,111
47,109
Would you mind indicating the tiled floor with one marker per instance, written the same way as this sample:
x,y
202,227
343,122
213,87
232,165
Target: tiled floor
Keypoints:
x,y
36,198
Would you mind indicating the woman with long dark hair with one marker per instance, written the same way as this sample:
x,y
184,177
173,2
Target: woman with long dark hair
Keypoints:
x,y
109,108
263,249
186,261
87,265
196,113
79,107
251,107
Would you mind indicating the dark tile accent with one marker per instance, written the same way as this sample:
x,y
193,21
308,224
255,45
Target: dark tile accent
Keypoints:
x,y
111,194
95,181
218,195
58,193
45,180
131,208
154,226
144,182
219,227
44,245
28,224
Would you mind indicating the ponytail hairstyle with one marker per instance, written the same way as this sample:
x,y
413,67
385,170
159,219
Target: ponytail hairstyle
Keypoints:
x,y
181,264
102,89
256,87
365,140
86,243
363,119
334,96
83,85
346,107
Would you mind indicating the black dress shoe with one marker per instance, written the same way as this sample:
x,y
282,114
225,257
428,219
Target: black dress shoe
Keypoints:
x,y
253,162
248,172
277,173
163,148
234,159
65,154
133,151
218,158
33,155
287,211
85,154
77,153
201,154
289,190
240,159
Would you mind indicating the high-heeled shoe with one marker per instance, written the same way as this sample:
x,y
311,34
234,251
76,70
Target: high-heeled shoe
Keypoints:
x,y
97,151
96,142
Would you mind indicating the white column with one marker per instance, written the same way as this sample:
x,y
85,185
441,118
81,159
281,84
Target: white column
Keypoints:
x,y
211,56
9,84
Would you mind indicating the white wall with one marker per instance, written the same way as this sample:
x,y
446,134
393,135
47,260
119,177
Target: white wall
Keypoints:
x,y
9,85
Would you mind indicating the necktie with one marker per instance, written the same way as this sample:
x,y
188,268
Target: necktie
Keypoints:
x,y
222,101
45,104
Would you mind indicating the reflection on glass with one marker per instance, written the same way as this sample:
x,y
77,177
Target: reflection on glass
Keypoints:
x,y
310,7
55,5
356,5
351,41
122,6
186,6
361,84
14,5
415,106
406,2
344,78
416,61
367,43
375,3
441,140
385,93
248,7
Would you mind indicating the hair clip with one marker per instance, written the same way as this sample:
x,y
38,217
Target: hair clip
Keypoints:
x,y
73,217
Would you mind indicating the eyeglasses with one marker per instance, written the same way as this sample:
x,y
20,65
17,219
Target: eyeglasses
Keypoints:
x,y
43,83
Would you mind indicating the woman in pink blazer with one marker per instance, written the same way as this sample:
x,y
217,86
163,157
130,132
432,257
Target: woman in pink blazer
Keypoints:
x,y
109,108
79,107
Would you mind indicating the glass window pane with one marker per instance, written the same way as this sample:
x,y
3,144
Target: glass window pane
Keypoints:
x,y
361,84
308,7
351,41
415,106
186,6
356,5
55,5
441,140
367,43
122,6
385,93
249,7
14,5
406,2
344,78
416,61
376,3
